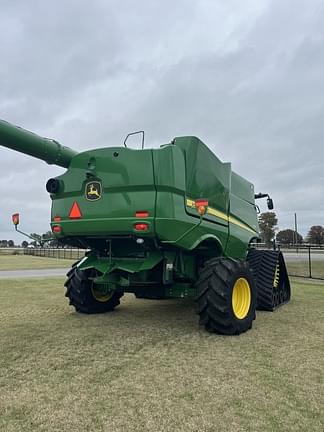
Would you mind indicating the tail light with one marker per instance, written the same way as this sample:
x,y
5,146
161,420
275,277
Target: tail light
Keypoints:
x,y
142,214
201,206
141,226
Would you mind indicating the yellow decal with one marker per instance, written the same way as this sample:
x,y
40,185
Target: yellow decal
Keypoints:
x,y
218,214
276,277
190,203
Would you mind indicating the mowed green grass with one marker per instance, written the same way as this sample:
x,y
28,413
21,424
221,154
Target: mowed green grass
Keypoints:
x,y
149,367
26,262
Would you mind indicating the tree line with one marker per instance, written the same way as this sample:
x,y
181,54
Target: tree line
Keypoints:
x,y
40,239
268,223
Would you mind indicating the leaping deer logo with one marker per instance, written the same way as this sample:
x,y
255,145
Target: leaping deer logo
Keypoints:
x,y
93,191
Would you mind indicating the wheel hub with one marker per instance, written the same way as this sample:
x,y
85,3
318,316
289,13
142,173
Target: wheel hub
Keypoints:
x,y
101,293
241,298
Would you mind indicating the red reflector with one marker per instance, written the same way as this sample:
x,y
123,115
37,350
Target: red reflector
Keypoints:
x,y
201,205
15,219
56,229
142,214
141,226
75,212
57,218
201,202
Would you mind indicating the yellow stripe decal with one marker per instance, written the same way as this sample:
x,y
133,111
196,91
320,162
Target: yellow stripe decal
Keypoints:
x,y
190,203
217,213
234,221
213,212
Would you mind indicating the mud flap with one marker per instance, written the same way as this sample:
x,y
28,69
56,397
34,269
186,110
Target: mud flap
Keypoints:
x,y
271,277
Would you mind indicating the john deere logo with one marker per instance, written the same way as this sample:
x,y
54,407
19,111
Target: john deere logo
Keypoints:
x,y
93,191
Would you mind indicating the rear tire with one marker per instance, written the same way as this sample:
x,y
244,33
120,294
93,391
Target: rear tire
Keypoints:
x,y
226,296
82,295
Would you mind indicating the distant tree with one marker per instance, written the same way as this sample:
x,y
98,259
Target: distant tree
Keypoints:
x,y
316,235
287,236
268,222
3,243
11,243
24,244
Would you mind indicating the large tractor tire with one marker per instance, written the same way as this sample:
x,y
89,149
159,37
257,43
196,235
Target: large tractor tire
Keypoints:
x,y
85,296
272,281
226,296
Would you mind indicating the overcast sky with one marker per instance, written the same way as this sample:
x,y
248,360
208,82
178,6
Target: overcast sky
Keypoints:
x,y
247,77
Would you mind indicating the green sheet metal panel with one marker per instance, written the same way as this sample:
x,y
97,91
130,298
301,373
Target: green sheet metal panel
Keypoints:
x,y
206,177
243,225
176,179
127,181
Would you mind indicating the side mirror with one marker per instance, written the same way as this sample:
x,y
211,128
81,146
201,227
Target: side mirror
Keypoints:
x,y
270,203
15,219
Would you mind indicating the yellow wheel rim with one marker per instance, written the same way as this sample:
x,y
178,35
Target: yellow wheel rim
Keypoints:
x,y
241,298
99,295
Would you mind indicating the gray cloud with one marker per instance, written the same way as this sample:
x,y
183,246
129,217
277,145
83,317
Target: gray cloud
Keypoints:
x,y
246,77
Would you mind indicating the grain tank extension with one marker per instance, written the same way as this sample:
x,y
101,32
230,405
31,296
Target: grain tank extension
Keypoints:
x,y
168,222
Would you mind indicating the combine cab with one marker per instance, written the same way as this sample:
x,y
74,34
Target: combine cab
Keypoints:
x,y
171,222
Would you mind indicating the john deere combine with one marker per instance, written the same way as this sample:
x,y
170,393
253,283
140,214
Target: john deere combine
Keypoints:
x,y
170,222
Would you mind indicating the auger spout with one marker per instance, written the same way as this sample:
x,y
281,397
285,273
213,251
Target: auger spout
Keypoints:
x,y
31,144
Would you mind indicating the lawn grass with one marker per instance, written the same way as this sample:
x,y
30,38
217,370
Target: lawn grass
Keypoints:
x,y
149,367
25,262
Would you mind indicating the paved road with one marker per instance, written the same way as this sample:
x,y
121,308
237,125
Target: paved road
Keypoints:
x,y
25,274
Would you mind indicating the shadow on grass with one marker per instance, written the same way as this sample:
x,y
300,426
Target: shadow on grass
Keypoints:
x,y
138,314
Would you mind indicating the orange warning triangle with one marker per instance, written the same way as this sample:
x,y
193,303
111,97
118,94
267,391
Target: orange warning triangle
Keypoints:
x,y
75,212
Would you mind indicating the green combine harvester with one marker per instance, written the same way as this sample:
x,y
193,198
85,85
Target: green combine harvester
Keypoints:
x,y
168,222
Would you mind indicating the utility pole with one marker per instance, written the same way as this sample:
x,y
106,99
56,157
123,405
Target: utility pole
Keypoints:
x,y
296,236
